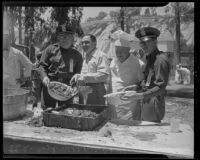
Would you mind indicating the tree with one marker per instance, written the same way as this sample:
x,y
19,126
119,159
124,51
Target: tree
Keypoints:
x,y
153,11
61,15
11,20
147,12
101,15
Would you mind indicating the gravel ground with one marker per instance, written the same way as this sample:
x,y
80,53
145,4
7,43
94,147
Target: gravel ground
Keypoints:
x,y
182,108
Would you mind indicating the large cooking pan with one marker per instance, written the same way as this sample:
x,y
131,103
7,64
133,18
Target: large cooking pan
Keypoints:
x,y
14,103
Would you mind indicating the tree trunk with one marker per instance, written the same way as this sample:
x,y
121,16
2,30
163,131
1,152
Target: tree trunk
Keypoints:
x,y
178,33
20,25
12,26
122,18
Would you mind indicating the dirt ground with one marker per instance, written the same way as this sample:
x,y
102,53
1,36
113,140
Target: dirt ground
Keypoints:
x,y
182,108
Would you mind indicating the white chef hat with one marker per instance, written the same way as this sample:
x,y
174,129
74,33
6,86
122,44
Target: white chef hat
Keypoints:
x,y
122,39
122,43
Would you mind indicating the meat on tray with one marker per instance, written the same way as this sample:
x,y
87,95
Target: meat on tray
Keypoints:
x,y
78,113
61,90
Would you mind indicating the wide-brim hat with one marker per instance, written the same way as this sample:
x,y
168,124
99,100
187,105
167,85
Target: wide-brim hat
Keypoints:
x,y
147,33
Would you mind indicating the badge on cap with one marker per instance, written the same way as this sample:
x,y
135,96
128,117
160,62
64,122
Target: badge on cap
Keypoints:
x,y
142,31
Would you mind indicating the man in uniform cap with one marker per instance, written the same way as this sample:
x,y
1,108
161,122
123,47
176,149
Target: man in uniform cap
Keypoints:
x,y
153,88
126,72
59,62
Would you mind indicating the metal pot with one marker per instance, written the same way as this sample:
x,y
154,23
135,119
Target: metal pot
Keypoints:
x,y
14,103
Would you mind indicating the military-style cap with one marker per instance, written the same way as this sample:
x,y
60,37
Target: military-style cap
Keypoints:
x,y
147,33
65,28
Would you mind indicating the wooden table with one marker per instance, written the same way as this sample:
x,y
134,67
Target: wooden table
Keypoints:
x,y
144,138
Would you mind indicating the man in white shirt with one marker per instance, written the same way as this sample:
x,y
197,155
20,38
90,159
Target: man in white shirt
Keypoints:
x,y
14,63
94,72
126,72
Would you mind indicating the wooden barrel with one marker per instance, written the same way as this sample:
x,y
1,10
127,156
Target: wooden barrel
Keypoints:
x,y
14,103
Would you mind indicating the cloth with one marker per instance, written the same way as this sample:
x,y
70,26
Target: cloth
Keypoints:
x,y
127,73
122,75
182,75
58,64
95,71
16,65
154,86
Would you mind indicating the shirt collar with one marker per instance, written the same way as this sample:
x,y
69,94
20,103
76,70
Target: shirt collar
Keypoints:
x,y
153,55
91,54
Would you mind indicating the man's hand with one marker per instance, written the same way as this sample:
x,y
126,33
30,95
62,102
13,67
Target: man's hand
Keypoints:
x,y
81,80
77,79
19,81
74,79
46,81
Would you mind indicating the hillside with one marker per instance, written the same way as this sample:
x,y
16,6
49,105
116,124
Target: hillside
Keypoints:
x,y
102,28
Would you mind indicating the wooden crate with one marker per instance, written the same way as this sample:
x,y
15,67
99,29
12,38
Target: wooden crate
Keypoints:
x,y
78,123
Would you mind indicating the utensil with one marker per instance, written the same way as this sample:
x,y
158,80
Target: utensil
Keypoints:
x,y
60,97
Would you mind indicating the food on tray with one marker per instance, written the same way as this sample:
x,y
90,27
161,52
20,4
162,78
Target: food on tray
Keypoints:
x,y
61,89
79,113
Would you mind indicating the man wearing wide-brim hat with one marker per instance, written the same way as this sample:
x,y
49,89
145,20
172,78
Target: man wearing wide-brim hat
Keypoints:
x,y
59,62
153,88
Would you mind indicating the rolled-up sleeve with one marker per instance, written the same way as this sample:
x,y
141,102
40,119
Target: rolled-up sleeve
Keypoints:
x,y
102,71
162,70
26,63
140,72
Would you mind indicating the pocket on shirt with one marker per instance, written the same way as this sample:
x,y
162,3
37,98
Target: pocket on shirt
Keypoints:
x,y
92,67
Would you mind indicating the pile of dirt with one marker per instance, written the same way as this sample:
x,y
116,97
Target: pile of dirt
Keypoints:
x,y
181,108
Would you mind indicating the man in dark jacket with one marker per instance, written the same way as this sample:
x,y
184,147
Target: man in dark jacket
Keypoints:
x,y
152,89
59,62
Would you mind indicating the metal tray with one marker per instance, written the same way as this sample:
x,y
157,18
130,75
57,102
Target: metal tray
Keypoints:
x,y
79,123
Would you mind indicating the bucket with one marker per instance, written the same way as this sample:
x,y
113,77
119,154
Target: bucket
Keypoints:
x,y
14,103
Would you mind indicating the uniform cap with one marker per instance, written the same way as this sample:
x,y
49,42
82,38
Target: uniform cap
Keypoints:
x,y
147,33
65,28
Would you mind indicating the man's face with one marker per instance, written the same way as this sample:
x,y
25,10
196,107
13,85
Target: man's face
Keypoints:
x,y
6,41
65,39
148,46
122,53
87,44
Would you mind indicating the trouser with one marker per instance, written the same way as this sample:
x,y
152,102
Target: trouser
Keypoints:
x,y
153,109
47,101
36,87
130,111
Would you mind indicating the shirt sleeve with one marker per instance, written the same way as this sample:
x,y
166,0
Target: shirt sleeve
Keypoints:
x,y
26,63
140,73
44,63
102,71
162,70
